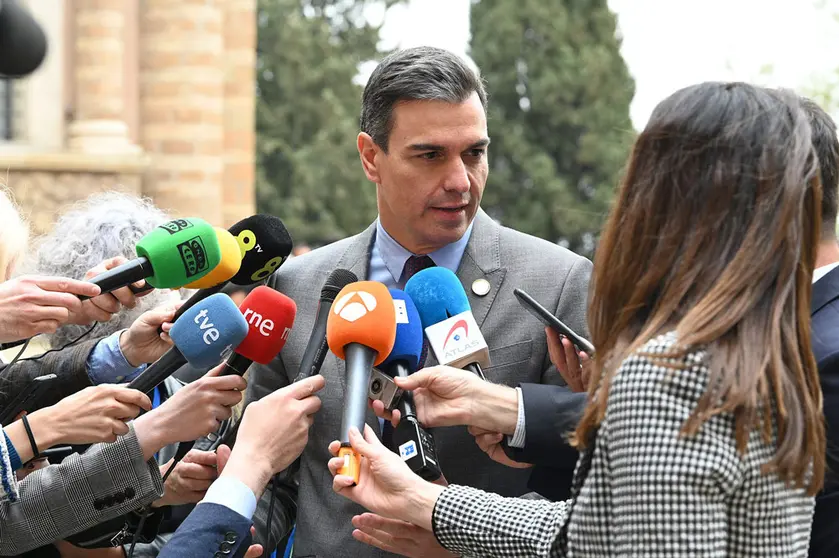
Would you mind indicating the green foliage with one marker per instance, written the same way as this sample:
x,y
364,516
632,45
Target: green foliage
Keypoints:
x,y
308,171
559,114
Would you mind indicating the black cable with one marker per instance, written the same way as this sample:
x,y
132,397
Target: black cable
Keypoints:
x,y
26,344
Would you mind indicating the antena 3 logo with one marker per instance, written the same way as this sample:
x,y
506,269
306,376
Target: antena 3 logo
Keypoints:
x,y
193,256
355,305
176,226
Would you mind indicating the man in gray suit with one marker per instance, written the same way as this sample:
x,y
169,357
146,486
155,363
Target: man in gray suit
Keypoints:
x,y
424,144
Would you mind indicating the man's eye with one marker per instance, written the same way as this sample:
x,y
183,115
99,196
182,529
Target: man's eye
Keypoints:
x,y
479,152
431,155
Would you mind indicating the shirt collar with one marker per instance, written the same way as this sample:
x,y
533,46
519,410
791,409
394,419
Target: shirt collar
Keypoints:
x,y
820,272
395,255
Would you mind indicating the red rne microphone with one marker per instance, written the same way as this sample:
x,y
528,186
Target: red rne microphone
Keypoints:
x,y
270,317
360,330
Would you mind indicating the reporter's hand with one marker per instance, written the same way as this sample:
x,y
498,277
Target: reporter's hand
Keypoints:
x,y
386,485
397,537
94,414
273,432
575,370
193,411
141,343
32,304
104,306
190,480
490,443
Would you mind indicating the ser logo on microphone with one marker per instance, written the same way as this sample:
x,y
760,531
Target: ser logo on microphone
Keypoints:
x,y
355,305
193,256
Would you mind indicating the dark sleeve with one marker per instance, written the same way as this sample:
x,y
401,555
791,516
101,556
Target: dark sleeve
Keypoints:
x,y
550,413
70,365
210,530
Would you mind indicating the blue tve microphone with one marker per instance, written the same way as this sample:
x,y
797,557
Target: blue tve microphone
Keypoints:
x,y
410,440
451,330
203,336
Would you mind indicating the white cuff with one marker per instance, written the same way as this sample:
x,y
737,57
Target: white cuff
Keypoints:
x,y
233,494
517,441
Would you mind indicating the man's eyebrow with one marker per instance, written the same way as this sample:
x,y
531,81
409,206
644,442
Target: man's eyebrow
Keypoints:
x,y
434,147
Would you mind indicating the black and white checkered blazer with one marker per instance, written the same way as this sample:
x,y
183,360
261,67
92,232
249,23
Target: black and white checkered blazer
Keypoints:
x,y
642,489
107,481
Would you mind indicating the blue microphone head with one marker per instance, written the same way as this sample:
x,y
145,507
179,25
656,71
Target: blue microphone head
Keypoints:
x,y
408,345
209,331
437,294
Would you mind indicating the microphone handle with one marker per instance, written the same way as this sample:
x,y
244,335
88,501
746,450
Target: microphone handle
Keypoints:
x,y
359,361
158,371
476,368
317,348
196,297
122,275
406,402
236,364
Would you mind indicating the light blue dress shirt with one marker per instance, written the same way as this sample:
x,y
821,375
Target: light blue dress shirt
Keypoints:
x,y
232,494
388,257
107,365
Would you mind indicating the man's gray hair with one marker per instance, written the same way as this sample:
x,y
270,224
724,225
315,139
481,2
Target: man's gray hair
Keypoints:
x,y
93,230
415,74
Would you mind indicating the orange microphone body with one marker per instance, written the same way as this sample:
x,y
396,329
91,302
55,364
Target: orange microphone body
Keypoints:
x,y
361,331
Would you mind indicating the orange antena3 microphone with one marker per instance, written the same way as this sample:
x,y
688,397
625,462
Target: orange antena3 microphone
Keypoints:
x,y
361,331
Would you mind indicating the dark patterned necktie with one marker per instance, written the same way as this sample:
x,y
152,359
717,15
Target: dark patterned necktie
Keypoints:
x,y
414,265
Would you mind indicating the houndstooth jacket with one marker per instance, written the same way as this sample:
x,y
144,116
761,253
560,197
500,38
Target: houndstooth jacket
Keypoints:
x,y
642,489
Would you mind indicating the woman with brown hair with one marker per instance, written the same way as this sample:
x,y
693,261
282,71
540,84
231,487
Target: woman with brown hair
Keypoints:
x,y
703,432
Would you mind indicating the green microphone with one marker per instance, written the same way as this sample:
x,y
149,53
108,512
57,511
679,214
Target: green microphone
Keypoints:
x,y
172,255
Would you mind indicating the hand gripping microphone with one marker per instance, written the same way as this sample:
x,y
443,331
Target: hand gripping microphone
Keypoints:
x,y
264,244
170,256
410,440
450,328
270,317
203,336
316,349
23,44
361,330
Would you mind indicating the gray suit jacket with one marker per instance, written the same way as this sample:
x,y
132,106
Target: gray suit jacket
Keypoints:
x,y
107,481
507,259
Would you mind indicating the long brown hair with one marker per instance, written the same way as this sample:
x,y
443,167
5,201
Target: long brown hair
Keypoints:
x,y
713,234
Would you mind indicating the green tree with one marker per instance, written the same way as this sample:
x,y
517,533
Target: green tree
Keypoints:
x,y
559,114
308,172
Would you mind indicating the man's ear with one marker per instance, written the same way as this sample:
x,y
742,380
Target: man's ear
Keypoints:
x,y
368,150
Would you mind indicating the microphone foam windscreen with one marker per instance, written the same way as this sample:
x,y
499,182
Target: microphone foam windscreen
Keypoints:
x,y
265,245
209,331
437,294
231,261
180,252
362,313
336,281
409,337
270,316
23,44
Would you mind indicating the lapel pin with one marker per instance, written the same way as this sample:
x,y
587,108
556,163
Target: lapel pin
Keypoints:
x,y
480,287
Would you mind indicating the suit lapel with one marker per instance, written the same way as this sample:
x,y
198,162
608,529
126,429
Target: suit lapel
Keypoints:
x,y
825,290
356,259
482,260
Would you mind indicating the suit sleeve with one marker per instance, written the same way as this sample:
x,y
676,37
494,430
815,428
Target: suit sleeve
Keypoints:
x,y
263,380
210,530
107,481
70,365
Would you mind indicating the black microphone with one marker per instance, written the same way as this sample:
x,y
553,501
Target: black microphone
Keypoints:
x,y
23,44
317,348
